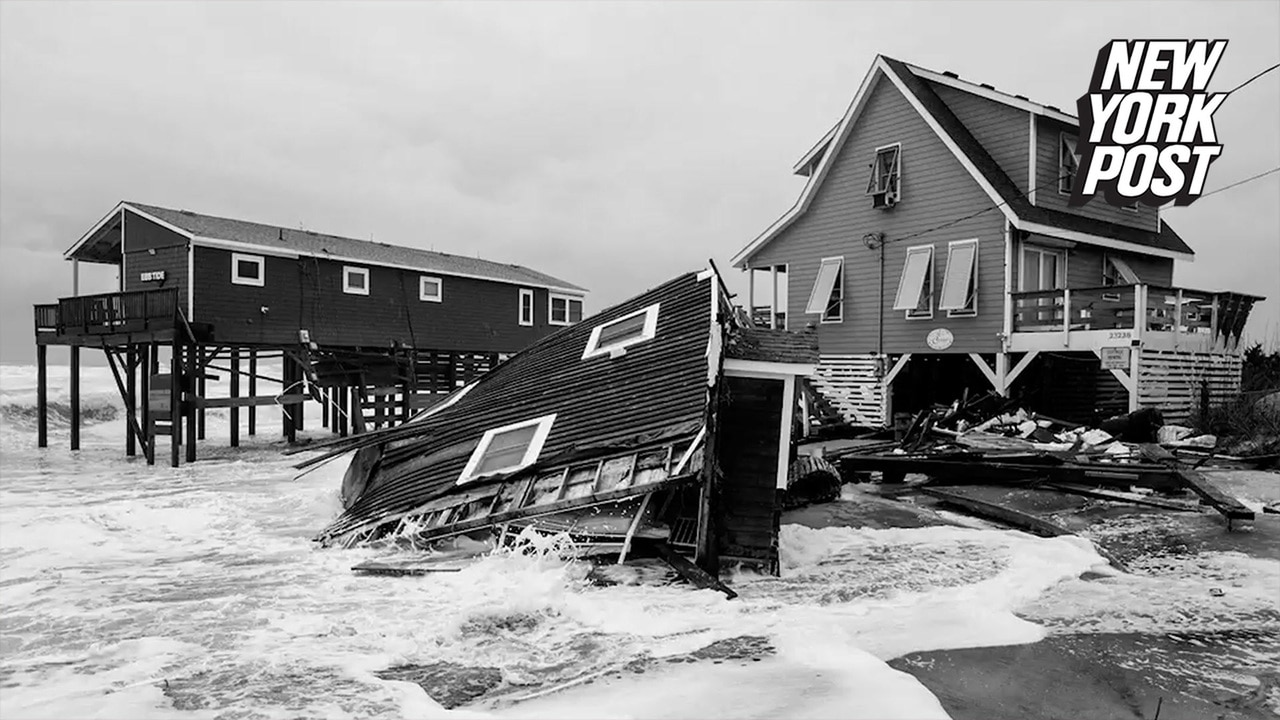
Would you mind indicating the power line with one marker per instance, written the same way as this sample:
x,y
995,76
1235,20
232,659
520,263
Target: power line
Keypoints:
x,y
1255,77
1241,182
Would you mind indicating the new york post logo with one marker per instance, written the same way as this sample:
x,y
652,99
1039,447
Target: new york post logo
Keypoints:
x,y
1146,124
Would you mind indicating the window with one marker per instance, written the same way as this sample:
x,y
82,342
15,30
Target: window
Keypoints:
x,y
1116,271
960,283
355,280
617,335
564,310
248,269
886,171
827,296
508,448
526,306
1068,162
1042,269
915,287
430,289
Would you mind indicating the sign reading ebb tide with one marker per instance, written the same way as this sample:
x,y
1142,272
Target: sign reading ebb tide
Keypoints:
x,y
1146,124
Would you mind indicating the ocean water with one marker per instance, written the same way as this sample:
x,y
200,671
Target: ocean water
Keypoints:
x,y
136,591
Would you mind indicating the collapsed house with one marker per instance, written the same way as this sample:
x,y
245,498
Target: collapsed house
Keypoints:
x,y
664,421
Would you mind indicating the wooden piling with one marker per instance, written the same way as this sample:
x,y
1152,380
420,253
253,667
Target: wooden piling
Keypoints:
x,y
324,407
75,397
235,393
253,390
42,395
189,395
130,399
147,363
342,393
175,401
287,410
357,409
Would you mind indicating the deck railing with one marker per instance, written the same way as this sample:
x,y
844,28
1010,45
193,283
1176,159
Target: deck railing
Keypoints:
x,y
1183,315
109,312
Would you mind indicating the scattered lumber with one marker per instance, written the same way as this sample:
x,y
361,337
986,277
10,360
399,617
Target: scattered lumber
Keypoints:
x,y
696,576
1231,508
1134,498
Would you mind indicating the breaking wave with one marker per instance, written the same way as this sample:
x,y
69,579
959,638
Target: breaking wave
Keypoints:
x,y
92,411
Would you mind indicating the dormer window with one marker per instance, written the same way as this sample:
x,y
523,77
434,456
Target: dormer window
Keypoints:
x,y
615,336
247,269
507,449
1068,162
885,186
355,280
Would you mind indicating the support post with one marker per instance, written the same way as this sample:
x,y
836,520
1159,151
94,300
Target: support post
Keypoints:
x,y
42,396
200,392
253,390
299,410
357,408
131,398
75,397
286,410
773,297
342,394
235,393
147,363
188,394
324,407
175,401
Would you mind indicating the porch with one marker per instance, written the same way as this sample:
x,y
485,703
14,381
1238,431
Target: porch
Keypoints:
x,y
1148,316
109,318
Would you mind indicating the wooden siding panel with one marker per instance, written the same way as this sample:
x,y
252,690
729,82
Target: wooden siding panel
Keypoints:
x,y
172,260
936,189
749,459
1048,134
1004,131
306,293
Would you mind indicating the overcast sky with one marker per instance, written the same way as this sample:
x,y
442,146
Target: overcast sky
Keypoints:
x,y
609,144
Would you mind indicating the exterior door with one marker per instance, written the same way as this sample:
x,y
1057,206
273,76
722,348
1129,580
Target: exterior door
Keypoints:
x,y
1042,269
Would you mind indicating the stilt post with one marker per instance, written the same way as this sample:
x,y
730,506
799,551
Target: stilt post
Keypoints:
x,y
131,398
147,363
189,396
175,401
75,397
235,393
42,395
253,390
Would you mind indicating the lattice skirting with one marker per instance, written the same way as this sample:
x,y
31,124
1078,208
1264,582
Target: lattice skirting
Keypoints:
x,y
850,384
1171,381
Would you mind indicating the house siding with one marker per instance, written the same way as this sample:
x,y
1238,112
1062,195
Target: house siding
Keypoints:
x,y
149,247
936,189
1004,131
1085,264
1048,134
306,293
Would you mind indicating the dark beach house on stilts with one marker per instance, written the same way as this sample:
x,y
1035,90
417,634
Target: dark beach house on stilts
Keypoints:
x,y
664,422
371,331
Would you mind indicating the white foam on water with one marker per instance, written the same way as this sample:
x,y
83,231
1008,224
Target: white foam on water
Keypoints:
x,y
117,579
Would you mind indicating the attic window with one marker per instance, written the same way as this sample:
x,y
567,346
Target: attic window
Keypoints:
x,y
1068,162
619,334
355,280
564,310
827,296
886,173
526,306
248,269
960,284
1116,271
508,448
430,289
915,287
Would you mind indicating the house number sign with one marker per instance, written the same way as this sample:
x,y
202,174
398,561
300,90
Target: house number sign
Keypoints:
x,y
152,276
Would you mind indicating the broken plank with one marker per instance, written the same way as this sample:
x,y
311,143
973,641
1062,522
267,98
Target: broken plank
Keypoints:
x,y
698,577
1117,496
252,401
1231,508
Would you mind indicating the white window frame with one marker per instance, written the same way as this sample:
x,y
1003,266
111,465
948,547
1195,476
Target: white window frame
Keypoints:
x,y
825,302
527,293
973,279
594,349
917,314
1060,280
531,452
1065,184
1122,268
238,279
347,272
894,176
551,304
423,281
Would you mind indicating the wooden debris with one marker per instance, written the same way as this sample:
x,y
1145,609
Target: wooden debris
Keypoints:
x,y
1231,508
696,576
1117,496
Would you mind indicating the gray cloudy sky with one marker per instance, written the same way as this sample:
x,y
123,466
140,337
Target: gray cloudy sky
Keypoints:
x,y
611,144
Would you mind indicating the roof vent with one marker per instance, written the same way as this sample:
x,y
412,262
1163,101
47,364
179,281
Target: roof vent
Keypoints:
x,y
1053,108
950,74
989,87
1023,97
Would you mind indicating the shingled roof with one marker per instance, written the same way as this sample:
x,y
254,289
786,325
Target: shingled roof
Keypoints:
x,y
305,242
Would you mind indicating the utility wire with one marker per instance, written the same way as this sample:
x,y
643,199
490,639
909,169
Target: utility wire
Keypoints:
x,y
1255,77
